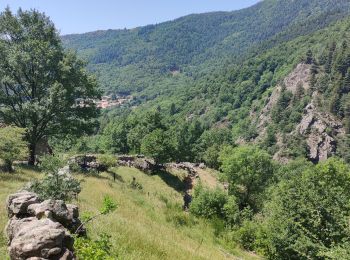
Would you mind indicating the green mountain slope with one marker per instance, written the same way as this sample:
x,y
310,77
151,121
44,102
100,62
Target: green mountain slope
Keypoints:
x,y
247,85
134,59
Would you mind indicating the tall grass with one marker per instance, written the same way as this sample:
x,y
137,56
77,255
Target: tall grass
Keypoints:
x,y
149,222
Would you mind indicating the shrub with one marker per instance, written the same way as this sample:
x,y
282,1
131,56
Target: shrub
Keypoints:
x,y
135,185
213,204
58,183
12,146
106,160
87,249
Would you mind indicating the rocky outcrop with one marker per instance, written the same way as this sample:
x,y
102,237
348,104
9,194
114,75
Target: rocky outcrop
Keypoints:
x,y
139,162
17,204
320,128
40,229
88,162
298,77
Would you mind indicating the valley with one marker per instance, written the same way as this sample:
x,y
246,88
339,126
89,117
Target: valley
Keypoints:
x,y
220,135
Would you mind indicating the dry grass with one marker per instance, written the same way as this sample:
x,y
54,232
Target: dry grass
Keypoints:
x,y
148,224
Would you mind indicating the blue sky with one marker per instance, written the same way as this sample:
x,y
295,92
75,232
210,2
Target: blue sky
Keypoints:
x,y
78,16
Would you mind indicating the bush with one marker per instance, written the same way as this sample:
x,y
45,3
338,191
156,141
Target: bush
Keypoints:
x,y
213,204
58,183
12,146
106,160
87,249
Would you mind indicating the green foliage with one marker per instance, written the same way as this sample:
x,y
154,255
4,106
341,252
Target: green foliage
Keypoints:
x,y
107,160
308,213
114,138
87,249
58,183
12,145
249,171
210,144
135,184
156,145
108,205
213,204
40,81
143,58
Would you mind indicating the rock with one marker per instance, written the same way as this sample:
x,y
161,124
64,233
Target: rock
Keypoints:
x,y
73,210
39,238
314,126
15,224
39,230
18,203
202,166
145,165
64,171
55,209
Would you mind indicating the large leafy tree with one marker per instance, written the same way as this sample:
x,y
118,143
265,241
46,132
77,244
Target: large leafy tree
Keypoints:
x,y
40,82
249,171
156,145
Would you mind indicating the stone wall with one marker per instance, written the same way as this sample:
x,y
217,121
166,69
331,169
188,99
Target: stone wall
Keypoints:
x,y
40,229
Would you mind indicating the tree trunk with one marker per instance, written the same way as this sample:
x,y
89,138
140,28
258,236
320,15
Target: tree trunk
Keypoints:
x,y
32,150
8,166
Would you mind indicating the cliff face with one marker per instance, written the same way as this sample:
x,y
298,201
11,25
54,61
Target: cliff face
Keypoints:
x,y
320,130
317,127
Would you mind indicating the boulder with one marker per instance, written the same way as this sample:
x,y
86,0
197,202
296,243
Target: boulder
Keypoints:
x,y
39,230
15,224
18,203
55,209
40,238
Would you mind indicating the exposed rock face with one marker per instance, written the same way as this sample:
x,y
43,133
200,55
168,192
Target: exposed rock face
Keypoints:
x,y
88,162
67,215
39,238
320,129
299,76
40,230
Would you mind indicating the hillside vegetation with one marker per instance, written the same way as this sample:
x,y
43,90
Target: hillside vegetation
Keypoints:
x,y
255,103
133,60
148,224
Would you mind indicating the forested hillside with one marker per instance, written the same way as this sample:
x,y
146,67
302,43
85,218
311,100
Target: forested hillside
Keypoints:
x,y
248,77
132,60
238,123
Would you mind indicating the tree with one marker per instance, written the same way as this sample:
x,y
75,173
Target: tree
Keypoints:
x,y
309,57
156,145
313,80
329,62
12,145
309,213
248,170
115,138
40,82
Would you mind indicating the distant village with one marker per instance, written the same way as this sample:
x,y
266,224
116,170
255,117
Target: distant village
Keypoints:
x,y
106,102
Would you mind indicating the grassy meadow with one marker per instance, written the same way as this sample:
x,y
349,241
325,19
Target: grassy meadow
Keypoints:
x,y
149,222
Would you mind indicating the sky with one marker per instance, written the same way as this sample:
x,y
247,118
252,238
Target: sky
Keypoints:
x,y
79,16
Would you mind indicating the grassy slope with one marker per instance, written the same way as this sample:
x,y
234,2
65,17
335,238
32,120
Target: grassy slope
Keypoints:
x,y
148,224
